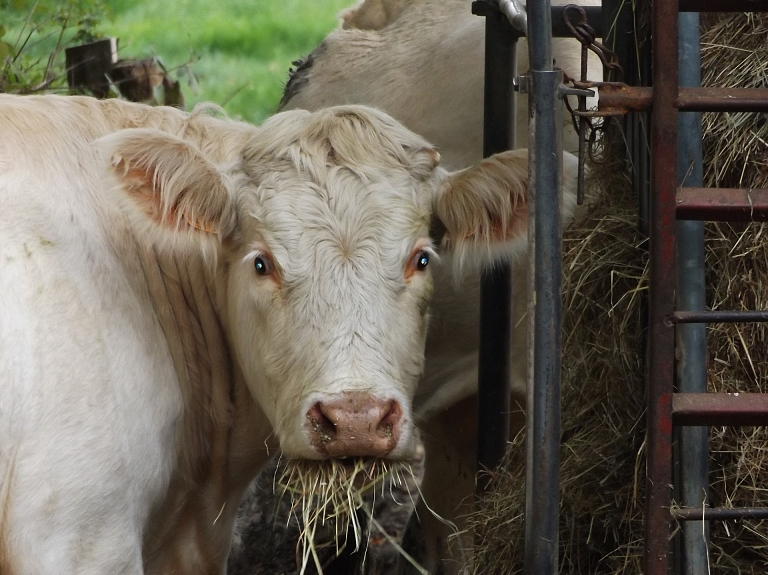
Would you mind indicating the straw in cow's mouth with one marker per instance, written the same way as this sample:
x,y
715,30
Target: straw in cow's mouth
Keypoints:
x,y
332,493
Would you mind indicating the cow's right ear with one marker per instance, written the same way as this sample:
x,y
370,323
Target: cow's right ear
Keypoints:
x,y
168,185
484,209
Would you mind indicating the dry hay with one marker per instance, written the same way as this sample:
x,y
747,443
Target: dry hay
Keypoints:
x,y
605,281
330,496
330,516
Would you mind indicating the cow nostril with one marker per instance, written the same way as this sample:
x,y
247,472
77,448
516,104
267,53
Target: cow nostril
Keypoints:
x,y
321,424
389,421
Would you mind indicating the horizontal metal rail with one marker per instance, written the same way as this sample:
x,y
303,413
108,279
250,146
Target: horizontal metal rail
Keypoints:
x,y
736,409
736,316
722,204
723,6
719,513
559,28
618,98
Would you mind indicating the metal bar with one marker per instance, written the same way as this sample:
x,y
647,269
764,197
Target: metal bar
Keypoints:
x,y
616,98
723,100
723,5
737,409
661,338
722,204
544,300
559,29
692,442
719,316
496,283
719,513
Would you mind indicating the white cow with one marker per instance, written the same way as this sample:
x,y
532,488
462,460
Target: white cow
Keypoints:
x,y
182,294
422,61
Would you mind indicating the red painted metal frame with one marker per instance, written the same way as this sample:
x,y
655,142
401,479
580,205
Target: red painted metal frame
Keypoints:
x,y
661,337
723,5
722,205
720,408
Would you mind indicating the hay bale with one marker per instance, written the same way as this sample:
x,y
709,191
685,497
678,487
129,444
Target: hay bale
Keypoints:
x,y
605,282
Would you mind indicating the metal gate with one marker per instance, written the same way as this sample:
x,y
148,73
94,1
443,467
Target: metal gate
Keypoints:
x,y
677,301
677,318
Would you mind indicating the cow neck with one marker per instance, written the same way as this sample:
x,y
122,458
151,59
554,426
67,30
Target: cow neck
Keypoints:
x,y
183,300
185,309
222,438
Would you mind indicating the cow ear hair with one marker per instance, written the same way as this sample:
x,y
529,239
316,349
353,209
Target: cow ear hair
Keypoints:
x,y
168,183
484,209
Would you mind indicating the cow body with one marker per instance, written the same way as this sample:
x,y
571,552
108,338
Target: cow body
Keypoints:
x,y
117,408
181,295
422,61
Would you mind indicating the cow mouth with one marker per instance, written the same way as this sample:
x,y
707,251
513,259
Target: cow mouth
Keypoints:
x,y
353,476
335,491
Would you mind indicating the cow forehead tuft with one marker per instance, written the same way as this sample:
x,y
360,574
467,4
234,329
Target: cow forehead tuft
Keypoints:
x,y
363,140
293,206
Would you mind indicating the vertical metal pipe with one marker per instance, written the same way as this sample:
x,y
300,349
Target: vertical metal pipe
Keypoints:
x,y
692,443
545,303
495,297
661,338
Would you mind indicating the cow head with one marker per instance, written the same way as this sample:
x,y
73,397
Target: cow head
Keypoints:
x,y
326,227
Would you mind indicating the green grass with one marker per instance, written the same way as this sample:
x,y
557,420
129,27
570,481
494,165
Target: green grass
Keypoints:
x,y
241,49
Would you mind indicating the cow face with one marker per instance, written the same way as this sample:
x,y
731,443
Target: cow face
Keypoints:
x,y
322,228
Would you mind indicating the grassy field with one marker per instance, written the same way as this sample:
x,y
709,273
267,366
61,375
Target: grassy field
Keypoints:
x,y
238,51
241,49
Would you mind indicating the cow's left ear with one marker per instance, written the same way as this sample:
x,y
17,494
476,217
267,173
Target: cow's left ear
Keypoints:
x,y
484,209
168,184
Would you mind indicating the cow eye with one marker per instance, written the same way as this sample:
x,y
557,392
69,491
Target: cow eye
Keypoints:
x,y
421,260
263,265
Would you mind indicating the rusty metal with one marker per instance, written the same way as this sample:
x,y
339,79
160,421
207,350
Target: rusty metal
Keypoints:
x,y
720,408
723,5
722,204
576,21
719,513
736,316
661,337
617,98
723,100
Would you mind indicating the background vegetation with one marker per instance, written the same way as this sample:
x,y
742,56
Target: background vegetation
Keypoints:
x,y
232,52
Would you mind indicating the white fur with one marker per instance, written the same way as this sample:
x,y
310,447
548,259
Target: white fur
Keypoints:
x,y
147,370
422,61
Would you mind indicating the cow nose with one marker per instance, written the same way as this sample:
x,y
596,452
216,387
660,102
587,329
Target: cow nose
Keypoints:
x,y
355,424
